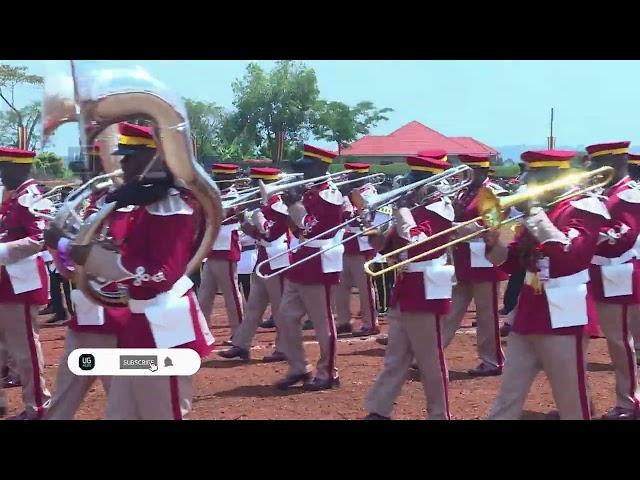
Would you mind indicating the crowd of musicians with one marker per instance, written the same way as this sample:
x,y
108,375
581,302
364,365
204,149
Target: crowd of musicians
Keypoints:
x,y
296,243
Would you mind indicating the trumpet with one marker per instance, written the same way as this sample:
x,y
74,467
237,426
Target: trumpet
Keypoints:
x,y
266,191
492,209
367,206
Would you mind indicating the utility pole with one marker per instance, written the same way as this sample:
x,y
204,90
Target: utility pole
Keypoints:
x,y
551,141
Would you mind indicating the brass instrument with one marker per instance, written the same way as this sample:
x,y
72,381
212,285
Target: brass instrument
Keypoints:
x,y
267,190
373,179
367,206
492,208
46,205
99,98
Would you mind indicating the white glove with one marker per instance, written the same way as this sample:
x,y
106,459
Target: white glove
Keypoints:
x,y
543,229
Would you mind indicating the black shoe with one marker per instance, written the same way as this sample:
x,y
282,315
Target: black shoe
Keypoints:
x,y
270,323
307,325
236,352
227,343
291,380
48,310
474,324
366,332
414,366
503,311
3,411
10,381
276,356
485,370
505,330
317,384
57,320
22,416
375,416
383,340
344,328
619,413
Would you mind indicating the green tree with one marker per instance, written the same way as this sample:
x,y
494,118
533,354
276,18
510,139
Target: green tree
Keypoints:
x,y
29,116
49,165
275,102
338,122
206,121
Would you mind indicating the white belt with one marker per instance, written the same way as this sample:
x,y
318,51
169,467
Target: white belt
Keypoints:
x,y
421,266
624,258
567,281
319,243
353,229
178,290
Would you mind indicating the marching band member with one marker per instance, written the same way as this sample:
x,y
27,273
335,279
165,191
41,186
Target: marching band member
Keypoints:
x,y
269,226
420,299
24,282
309,287
220,271
357,251
477,278
615,274
634,310
92,326
152,264
8,376
556,311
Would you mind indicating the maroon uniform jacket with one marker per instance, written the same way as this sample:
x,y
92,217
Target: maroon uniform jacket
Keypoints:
x,y
323,205
409,292
360,245
580,221
618,242
227,244
159,242
466,209
276,237
20,226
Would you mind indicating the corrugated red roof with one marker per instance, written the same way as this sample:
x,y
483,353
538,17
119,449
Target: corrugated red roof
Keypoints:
x,y
409,139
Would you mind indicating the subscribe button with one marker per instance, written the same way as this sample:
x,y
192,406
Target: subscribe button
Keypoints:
x,y
134,361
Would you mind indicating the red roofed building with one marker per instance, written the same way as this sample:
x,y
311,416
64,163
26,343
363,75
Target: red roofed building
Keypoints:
x,y
408,140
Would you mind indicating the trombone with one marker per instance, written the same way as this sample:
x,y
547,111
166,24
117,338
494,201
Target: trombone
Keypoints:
x,y
373,179
266,191
244,196
369,205
492,208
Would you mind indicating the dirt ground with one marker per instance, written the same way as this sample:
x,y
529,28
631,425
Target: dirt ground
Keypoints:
x,y
231,390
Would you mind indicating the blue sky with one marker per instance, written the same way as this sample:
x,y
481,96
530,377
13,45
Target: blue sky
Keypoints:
x,y
497,102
